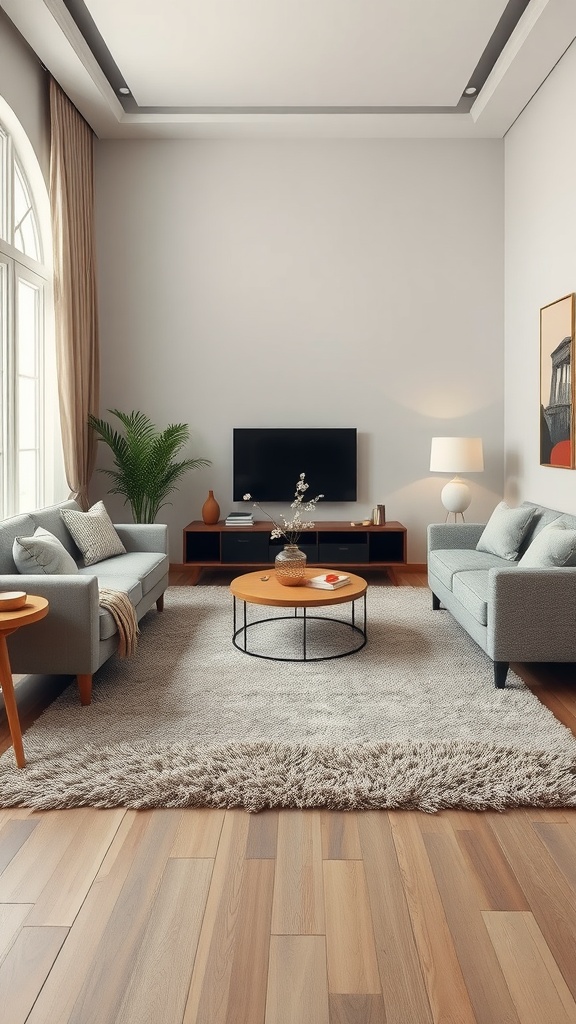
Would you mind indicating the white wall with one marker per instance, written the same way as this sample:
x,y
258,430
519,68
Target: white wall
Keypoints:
x,y
540,158
309,284
24,86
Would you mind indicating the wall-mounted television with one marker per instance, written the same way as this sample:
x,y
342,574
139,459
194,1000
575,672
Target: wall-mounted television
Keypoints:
x,y
267,462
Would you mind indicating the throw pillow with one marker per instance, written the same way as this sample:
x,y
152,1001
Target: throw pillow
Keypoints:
x,y
93,532
42,553
505,530
554,546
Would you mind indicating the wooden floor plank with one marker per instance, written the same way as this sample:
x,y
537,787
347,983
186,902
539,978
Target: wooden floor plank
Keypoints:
x,y
558,680
68,886
565,694
198,833
570,819
560,841
298,907
356,1009
249,975
13,835
410,579
56,1002
12,917
401,977
184,578
340,839
209,989
28,873
445,984
24,969
262,836
297,986
485,983
132,822
14,813
158,985
536,985
549,814
550,897
104,987
494,878
351,951
442,821
97,989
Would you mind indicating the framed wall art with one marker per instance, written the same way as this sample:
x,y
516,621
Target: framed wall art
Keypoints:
x,y
557,447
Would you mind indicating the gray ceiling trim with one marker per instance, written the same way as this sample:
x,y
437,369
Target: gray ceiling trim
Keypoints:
x,y
87,26
510,17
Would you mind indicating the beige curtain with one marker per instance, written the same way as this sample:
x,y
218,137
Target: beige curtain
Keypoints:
x,y
72,206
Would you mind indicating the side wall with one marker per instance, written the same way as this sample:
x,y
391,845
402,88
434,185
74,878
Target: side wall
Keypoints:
x,y
308,284
23,86
540,158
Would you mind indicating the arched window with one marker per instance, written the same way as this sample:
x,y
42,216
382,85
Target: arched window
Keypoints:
x,y
26,363
26,234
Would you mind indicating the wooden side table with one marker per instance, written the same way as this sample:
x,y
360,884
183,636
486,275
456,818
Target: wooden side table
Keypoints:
x,y
34,610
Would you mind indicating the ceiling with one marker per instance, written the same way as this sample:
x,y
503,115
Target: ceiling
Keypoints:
x,y
298,68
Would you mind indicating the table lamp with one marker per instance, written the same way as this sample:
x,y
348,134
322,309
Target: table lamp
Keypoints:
x,y
456,455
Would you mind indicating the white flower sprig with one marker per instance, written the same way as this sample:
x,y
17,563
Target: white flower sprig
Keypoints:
x,y
292,528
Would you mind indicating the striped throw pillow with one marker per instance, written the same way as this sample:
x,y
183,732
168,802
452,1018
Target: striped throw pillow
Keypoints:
x,y
93,532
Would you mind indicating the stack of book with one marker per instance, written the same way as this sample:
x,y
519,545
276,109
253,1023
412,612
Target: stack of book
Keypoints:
x,y
239,519
328,581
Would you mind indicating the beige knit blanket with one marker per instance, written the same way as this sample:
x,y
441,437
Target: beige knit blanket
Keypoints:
x,y
122,611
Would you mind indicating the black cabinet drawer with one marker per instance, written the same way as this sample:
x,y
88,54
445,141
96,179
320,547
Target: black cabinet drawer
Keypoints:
x,y
336,553
387,546
202,547
308,545
245,547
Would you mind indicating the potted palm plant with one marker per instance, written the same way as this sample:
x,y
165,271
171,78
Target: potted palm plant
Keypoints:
x,y
146,468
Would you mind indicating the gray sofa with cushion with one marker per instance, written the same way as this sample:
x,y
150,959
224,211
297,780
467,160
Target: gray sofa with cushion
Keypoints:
x,y
78,636
518,607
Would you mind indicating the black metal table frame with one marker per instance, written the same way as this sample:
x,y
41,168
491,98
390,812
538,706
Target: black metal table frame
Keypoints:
x,y
242,631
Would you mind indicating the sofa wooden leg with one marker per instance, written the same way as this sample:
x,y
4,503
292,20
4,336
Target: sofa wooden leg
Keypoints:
x,y
160,603
435,602
85,688
500,673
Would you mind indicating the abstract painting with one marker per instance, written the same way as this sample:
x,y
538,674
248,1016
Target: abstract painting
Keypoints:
x,y
557,383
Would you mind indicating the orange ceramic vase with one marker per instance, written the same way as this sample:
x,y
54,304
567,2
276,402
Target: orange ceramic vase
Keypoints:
x,y
210,510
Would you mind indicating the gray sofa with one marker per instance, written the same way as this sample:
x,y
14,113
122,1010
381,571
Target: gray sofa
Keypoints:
x,y
514,614
77,636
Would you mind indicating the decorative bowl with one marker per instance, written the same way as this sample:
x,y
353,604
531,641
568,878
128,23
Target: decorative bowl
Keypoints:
x,y
12,599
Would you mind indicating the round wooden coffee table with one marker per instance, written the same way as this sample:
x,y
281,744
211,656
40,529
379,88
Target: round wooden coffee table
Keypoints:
x,y
34,610
262,588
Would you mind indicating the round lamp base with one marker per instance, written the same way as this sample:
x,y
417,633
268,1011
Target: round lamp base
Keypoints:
x,y
456,496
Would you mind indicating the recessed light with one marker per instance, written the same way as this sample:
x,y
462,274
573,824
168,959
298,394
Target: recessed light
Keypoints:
x,y
124,90
470,90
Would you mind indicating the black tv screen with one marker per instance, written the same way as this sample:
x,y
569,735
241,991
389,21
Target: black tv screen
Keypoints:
x,y
267,462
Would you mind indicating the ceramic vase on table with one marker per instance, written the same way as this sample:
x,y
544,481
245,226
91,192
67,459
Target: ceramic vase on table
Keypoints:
x,y
210,510
290,566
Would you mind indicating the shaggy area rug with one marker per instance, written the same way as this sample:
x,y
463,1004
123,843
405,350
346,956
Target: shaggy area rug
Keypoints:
x,y
413,720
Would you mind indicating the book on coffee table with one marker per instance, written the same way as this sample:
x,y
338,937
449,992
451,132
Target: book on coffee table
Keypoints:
x,y
328,581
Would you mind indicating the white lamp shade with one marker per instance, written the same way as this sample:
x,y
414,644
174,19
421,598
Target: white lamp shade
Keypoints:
x,y
456,455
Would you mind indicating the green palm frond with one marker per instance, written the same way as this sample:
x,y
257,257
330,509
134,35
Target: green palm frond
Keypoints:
x,y
145,463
